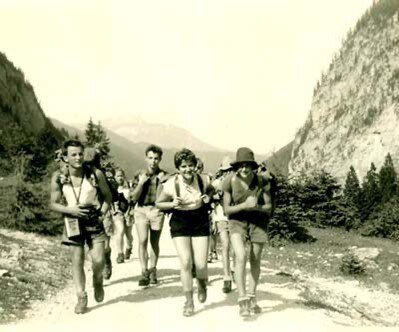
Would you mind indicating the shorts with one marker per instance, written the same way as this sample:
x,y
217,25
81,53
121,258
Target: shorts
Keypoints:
x,y
249,231
191,223
149,215
108,222
92,233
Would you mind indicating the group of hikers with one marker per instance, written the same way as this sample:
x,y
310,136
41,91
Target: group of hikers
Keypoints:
x,y
98,202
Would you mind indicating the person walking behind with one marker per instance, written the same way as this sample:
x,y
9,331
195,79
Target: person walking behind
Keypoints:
x,y
149,219
221,222
123,220
187,194
87,199
247,203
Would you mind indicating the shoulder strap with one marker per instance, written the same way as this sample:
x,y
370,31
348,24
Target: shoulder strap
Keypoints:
x,y
177,186
200,184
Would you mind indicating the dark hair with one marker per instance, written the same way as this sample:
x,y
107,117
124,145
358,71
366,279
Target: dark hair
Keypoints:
x,y
71,142
154,148
200,163
185,155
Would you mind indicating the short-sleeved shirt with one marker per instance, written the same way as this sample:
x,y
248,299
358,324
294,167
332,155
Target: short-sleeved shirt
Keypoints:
x,y
150,187
240,191
190,194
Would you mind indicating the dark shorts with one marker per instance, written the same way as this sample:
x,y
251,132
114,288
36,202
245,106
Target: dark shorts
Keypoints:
x,y
190,223
249,231
92,232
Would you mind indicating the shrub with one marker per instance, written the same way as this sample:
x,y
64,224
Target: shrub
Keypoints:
x,y
350,265
385,221
28,210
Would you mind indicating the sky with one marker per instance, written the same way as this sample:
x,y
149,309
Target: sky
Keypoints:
x,y
233,72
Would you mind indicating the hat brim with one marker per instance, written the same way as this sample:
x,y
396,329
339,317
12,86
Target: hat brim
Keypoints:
x,y
235,164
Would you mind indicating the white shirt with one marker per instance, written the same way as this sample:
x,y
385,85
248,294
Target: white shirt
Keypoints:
x,y
190,194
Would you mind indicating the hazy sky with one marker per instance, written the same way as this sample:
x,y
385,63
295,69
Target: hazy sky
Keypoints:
x,y
234,72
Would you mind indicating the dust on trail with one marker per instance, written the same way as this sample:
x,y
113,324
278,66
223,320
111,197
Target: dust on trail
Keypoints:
x,y
128,307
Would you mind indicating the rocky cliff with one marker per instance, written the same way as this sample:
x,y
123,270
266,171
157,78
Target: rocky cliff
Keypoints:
x,y
354,114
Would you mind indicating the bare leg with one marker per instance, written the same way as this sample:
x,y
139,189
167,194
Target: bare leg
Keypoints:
x,y
238,245
255,256
78,272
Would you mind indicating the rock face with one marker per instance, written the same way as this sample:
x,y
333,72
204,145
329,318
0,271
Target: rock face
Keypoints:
x,y
354,114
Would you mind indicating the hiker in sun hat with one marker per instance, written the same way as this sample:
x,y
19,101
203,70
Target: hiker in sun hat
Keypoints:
x,y
247,203
220,220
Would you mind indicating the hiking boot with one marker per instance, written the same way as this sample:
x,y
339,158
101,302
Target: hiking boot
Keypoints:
x,y
244,308
226,286
210,257
107,272
128,253
253,306
81,306
194,271
153,275
98,291
145,279
188,309
120,258
202,292
214,256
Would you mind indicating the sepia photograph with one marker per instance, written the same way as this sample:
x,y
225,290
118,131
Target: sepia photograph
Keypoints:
x,y
199,165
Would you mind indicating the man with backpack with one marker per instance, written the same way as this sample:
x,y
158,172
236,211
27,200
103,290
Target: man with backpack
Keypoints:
x,y
148,218
87,198
247,203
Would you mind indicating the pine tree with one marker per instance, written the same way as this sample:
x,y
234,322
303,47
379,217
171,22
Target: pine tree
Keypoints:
x,y
97,137
388,180
371,195
352,190
90,134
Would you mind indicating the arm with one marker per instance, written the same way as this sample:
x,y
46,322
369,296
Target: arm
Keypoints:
x,y
165,201
105,191
267,206
55,199
232,209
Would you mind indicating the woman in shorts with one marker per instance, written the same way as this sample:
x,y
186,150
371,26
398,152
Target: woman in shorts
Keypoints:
x,y
186,195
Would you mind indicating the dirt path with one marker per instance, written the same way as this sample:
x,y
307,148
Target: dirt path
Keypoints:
x,y
127,307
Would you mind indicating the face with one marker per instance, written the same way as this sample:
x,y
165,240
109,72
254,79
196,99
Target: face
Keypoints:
x,y
199,168
153,159
245,170
74,156
119,177
187,169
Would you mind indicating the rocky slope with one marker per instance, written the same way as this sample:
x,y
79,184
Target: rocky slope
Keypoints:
x,y
355,109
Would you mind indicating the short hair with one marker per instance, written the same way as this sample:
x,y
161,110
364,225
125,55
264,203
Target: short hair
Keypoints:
x,y
200,164
71,142
154,148
120,170
185,155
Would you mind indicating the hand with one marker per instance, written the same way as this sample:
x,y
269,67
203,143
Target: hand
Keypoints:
x,y
176,202
78,211
251,202
143,177
206,199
